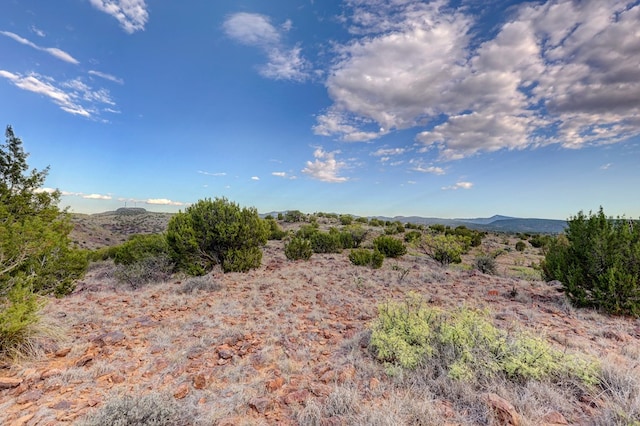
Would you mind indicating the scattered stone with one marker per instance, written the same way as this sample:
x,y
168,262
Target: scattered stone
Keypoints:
x,y
110,338
181,392
275,384
62,405
9,382
229,421
61,353
50,373
554,418
504,411
199,381
374,384
31,396
82,361
318,389
296,397
260,404
225,352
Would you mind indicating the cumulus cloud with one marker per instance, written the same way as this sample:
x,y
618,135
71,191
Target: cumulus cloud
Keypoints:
x,y
253,29
131,14
558,72
459,185
53,51
255,178
325,167
96,197
72,96
106,76
429,169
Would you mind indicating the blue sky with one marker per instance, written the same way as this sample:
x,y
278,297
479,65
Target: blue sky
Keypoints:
x,y
459,108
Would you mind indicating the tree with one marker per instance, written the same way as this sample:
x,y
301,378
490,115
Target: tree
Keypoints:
x,y
34,242
35,252
598,262
212,232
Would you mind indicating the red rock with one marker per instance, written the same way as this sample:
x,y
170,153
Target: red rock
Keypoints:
x,y
225,352
446,408
31,396
329,376
62,352
229,421
82,361
347,374
554,418
50,373
9,382
505,413
296,397
318,389
275,384
199,381
374,383
181,392
260,404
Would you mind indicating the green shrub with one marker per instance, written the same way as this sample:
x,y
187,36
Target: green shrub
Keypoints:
x,y
412,237
19,317
307,231
298,248
376,222
218,231
357,236
152,409
468,346
326,242
294,216
346,219
540,241
438,228
362,220
275,231
139,247
364,257
521,245
598,263
389,246
443,248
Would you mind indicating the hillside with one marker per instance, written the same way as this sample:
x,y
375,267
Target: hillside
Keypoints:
x,y
288,343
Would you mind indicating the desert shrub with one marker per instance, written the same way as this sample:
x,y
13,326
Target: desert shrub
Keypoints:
x,y
598,263
438,228
152,409
293,216
394,228
357,235
280,216
326,242
150,269
486,264
362,220
443,248
521,245
389,246
307,231
298,248
19,317
218,231
346,219
470,237
275,231
139,247
376,222
540,241
412,237
364,257
468,346
202,283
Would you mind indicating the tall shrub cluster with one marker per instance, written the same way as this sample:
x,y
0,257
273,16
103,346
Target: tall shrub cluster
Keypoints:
x,y
598,262
212,232
35,252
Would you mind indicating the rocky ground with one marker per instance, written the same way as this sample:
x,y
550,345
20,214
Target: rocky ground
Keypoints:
x,y
287,344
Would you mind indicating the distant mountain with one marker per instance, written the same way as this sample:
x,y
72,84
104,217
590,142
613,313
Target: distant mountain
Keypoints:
x,y
486,221
496,223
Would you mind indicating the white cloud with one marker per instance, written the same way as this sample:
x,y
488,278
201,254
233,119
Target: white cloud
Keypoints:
x,y
251,29
132,14
72,96
429,169
255,178
106,76
256,30
606,166
96,197
325,167
163,202
37,31
459,185
388,151
279,174
53,51
561,72
212,174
